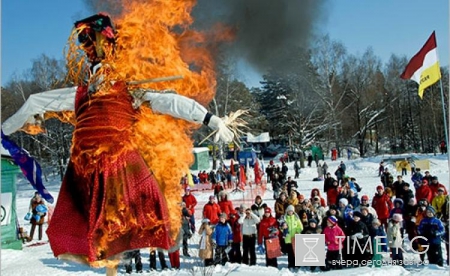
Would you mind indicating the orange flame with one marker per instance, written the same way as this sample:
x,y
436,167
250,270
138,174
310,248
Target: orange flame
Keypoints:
x,y
154,40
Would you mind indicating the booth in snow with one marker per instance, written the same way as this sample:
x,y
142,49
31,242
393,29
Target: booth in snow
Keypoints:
x,y
201,161
9,220
247,155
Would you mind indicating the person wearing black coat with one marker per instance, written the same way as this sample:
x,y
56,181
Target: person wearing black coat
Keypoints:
x,y
357,230
328,182
406,193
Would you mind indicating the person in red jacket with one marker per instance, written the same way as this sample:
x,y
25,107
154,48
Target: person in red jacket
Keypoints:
x,y
226,206
268,228
332,193
423,191
382,204
316,192
191,202
435,185
211,211
235,254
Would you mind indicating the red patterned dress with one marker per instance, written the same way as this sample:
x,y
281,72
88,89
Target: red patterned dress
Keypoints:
x,y
109,200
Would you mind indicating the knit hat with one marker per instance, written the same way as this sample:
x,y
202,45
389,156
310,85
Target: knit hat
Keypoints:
x,y
343,201
365,197
380,187
267,210
333,220
441,189
424,182
431,209
357,214
312,220
413,201
434,178
211,197
290,208
399,200
188,188
397,217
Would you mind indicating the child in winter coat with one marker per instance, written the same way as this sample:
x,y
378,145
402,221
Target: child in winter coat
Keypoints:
x,y
235,253
334,245
268,228
357,230
223,238
433,229
439,201
379,242
294,226
206,244
395,239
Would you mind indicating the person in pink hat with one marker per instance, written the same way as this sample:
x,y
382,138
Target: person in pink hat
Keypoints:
x,y
394,238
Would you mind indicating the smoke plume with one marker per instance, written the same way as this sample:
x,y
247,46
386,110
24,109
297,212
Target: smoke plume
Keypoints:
x,y
266,30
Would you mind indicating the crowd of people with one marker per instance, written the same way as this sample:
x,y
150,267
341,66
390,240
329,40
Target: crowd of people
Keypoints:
x,y
236,234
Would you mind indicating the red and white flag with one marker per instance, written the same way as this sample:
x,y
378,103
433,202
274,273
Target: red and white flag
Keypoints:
x,y
424,68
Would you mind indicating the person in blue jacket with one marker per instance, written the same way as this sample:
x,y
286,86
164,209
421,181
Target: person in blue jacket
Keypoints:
x,y
222,239
432,228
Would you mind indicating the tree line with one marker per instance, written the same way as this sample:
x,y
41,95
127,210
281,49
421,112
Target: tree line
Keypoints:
x,y
320,95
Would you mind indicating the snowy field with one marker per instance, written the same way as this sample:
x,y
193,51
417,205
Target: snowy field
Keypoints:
x,y
39,260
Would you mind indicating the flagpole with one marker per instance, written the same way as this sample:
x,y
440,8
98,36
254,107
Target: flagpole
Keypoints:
x,y
444,113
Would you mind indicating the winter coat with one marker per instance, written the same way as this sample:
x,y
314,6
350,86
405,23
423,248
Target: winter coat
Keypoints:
x,y
33,204
331,237
379,232
258,209
393,235
357,227
431,228
226,206
280,208
332,195
236,228
328,183
398,188
211,211
322,200
266,227
249,225
222,234
406,196
438,203
207,252
434,188
295,226
424,191
191,202
382,204
354,201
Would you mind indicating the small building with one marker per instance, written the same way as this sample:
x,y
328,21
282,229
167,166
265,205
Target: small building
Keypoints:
x,y
9,220
201,161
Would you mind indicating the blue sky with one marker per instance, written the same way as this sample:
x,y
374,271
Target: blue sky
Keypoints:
x,y
31,28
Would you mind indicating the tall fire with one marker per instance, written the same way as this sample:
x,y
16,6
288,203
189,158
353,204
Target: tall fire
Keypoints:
x,y
153,40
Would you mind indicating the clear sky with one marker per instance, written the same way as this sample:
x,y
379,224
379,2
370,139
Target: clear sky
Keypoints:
x,y
31,28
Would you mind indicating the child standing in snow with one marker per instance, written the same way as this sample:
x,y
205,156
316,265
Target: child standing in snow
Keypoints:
x,y
395,239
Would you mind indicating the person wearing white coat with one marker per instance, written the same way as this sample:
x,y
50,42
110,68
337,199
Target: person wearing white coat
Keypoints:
x,y
394,238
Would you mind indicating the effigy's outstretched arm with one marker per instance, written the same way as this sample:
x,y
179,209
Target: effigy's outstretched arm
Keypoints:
x,y
37,105
188,109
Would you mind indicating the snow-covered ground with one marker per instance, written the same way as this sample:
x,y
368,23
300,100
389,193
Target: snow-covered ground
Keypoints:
x,y
39,260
